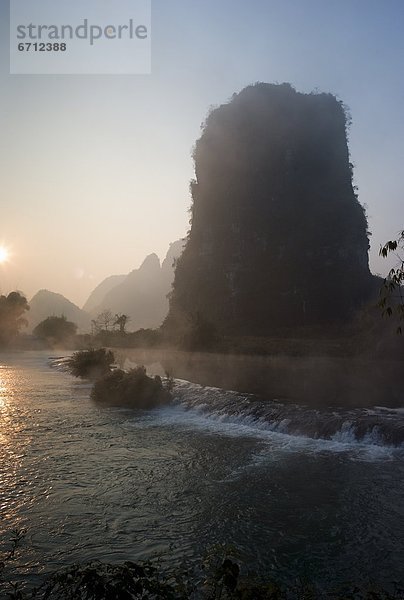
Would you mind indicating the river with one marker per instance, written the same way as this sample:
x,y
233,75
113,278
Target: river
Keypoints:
x,y
298,490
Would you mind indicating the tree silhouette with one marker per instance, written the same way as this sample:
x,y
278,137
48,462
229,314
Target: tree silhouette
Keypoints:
x,y
12,309
103,321
391,295
55,329
121,321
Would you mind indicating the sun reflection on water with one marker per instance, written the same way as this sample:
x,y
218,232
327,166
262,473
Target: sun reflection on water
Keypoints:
x,y
13,443
3,388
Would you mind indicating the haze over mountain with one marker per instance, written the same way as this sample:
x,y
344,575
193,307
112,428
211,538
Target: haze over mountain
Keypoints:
x,y
142,294
98,294
46,304
278,235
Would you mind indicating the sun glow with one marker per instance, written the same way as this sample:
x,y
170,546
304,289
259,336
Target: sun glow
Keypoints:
x,y
4,254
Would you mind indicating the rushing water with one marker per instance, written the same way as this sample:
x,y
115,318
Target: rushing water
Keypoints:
x,y
298,491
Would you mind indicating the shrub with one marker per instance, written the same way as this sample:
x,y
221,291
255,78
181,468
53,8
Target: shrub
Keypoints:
x,y
133,388
216,578
55,329
91,364
96,581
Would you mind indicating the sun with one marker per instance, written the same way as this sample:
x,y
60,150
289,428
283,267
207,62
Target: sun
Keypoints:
x,y
4,254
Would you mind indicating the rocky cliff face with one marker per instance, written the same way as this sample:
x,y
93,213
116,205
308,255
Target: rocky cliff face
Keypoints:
x,y
278,236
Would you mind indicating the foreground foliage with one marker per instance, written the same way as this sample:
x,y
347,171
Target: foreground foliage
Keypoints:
x,y
97,580
133,388
91,364
216,578
148,581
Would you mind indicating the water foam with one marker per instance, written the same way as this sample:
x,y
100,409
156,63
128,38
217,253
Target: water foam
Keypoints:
x,y
379,430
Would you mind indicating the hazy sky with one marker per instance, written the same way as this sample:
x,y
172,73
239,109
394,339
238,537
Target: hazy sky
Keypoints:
x,y
95,170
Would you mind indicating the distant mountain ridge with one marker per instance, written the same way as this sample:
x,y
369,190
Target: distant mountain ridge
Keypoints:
x,y
97,295
142,294
46,304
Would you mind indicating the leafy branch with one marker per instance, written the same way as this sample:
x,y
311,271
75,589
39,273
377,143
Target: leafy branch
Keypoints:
x,y
391,294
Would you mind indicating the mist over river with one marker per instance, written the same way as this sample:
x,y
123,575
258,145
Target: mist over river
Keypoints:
x,y
299,490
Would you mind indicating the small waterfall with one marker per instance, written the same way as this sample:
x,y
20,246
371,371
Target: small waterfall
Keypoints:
x,y
375,427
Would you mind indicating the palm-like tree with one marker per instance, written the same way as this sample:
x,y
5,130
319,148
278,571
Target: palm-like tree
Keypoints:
x,y
121,321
